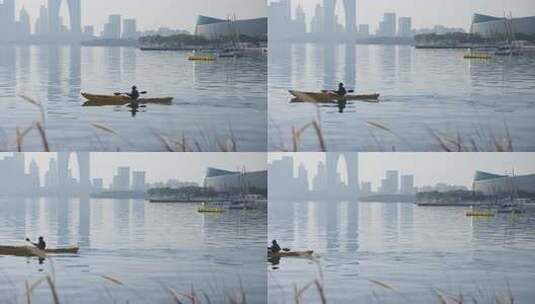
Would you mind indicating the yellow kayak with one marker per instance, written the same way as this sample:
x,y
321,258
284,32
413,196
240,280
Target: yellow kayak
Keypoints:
x,y
327,97
281,254
32,251
118,100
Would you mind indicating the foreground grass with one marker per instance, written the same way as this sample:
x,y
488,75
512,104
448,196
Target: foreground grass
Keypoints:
x,y
128,295
483,141
168,143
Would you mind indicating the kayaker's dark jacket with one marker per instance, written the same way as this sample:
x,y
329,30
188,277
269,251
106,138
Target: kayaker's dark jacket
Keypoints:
x,y
134,94
275,248
341,91
41,245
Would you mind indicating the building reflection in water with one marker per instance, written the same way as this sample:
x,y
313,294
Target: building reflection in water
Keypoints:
x,y
8,63
84,222
53,57
75,73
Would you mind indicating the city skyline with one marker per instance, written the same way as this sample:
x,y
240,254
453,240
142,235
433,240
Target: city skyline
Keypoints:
x,y
424,14
435,168
152,15
186,167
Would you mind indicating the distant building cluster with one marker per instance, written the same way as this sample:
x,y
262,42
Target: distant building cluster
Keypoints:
x,y
326,184
232,181
393,183
325,22
50,26
15,179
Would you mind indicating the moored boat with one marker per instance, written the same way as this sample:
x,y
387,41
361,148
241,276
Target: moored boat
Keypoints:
x,y
326,96
117,100
33,251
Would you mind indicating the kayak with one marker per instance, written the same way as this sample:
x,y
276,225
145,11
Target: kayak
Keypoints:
x,y
117,100
325,96
281,254
32,251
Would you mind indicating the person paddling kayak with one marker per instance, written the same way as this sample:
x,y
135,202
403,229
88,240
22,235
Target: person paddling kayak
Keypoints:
x,y
134,94
41,243
341,90
274,247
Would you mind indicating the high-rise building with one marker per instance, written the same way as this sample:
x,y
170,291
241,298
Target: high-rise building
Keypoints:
x,y
34,176
320,182
138,181
41,25
89,31
75,17
7,20
405,26
97,185
390,185
407,184
302,178
365,188
51,176
55,24
387,27
24,28
280,18
121,182
129,29
112,29
364,30
300,20
330,20
316,24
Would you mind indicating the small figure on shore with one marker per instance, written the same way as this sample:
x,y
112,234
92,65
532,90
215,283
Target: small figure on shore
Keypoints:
x,y
274,247
40,244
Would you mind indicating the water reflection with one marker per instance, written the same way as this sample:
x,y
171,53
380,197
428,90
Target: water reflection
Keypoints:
x,y
8,69
75,73
416,95
396,243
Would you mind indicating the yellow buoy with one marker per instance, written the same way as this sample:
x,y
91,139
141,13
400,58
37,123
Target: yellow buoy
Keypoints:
x,y
201,58
477,55
480,213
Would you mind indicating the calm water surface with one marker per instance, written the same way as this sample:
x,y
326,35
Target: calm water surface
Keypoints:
x,y
145,246
212,100
422,92
411,249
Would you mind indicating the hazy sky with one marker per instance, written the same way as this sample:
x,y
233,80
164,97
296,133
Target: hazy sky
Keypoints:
x,y
430,168
155,13
159,166
427,13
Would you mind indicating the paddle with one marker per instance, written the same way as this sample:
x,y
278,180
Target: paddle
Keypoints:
x,y
348,91
118,93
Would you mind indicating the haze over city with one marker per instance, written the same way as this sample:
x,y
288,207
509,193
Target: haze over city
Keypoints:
x,y
189,167
153,14
428,168
425,13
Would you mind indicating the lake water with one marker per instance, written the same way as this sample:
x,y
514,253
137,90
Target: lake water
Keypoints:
x,y
413,250
147,247
213,101
423,92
